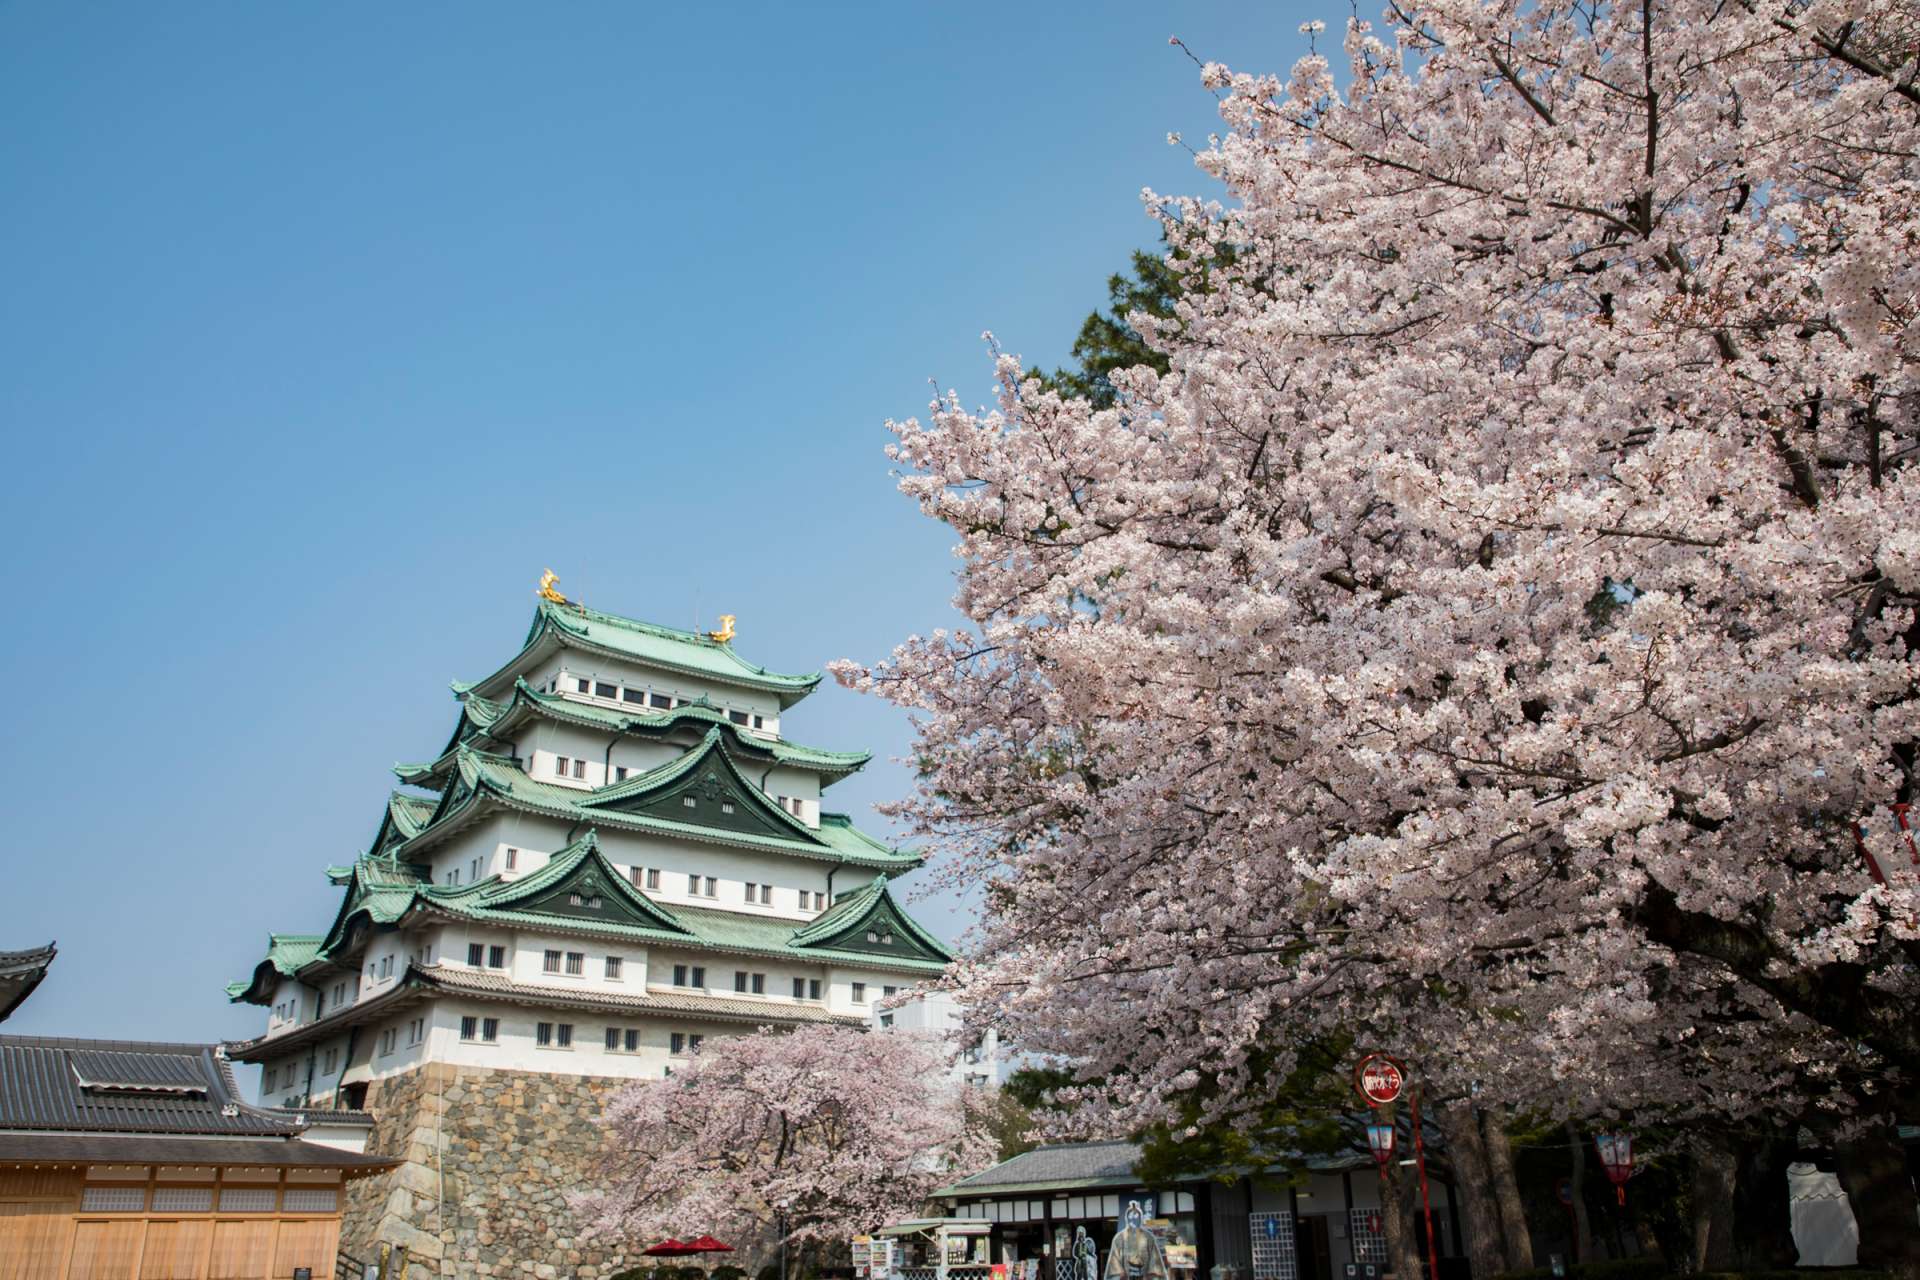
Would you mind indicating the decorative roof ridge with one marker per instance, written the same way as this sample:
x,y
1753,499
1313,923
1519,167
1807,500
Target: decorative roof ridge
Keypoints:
x,y
559,614
571,625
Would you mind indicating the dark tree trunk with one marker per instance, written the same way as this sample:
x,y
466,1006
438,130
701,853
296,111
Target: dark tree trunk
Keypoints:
x,y
1582,1229
1506,1189
1763,1219
1714,1166
1873,1169
1473,1182
1403,1257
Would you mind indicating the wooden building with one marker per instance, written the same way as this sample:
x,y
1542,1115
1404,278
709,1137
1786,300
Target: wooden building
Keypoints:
x,y
126,1160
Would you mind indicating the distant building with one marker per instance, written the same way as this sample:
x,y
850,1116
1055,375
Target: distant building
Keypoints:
x,y
617,854
976,1061
135,1158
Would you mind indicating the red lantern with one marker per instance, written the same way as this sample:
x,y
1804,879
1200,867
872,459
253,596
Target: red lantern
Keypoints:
x,y
1380,1139
1616,1157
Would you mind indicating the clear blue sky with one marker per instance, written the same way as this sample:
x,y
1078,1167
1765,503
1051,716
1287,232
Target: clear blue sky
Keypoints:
x,y
326,327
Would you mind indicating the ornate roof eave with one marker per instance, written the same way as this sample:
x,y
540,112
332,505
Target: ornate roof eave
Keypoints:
x,y
552,629
417,983
405,990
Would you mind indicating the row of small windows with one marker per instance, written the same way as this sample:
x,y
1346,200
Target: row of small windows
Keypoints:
x,y
201,1200
649,878
641,697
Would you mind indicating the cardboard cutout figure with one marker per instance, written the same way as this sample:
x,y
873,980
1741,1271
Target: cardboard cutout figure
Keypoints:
x,y
1136,1253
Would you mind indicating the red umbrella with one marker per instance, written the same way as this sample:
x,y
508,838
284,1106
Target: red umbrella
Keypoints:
x,y
670,1248
707,1244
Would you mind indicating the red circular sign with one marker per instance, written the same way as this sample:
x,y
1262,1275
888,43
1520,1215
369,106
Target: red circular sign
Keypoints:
x,y
1379,1079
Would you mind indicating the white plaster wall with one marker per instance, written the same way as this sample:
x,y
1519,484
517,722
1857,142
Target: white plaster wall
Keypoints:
x,y
517,1050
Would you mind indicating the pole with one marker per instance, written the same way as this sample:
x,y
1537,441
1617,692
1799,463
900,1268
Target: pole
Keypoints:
x,y
1426,1200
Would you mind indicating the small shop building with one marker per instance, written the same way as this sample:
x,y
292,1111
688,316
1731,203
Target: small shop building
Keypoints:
x,y
1300,1220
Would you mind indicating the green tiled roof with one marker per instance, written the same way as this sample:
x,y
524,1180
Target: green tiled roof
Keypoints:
x,y
481,777
385,892
287,954
574,626
485,718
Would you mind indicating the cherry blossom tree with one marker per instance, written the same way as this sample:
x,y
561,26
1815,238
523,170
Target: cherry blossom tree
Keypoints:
x,y
804,1137
1490,632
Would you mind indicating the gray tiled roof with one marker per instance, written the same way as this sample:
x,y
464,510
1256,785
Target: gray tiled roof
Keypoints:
x,y
1068,1164
126,1086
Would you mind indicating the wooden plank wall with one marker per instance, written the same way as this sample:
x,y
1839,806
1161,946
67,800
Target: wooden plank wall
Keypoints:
x,y
46,1235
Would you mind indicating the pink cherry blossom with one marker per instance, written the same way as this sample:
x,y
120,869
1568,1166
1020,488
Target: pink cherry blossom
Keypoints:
x,y
1487,634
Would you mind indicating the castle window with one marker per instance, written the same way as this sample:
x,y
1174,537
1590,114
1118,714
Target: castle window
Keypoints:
x,y
659,700
653,877
581,686
579,768
713,888
699,976
677,1042
469,1028
416,1031
613,1039
632,1040
496,957
886,1019
689,802
563,1035
799,988
693,885
562,766
489,1029
476,954
473,870
576,962
889,992
543,1034
759,984
513,858
813,988
859,993
726,806
636,696
740,980
550,962
575,899
738,717
273,1078
679,975
620,773
613,968
329,1060
604,690
766,895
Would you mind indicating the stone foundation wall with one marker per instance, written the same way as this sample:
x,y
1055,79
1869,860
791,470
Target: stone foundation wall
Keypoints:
x,y
490,1159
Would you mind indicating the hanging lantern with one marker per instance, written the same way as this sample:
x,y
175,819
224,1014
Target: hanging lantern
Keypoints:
x,y
1616,1157
1380,1139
